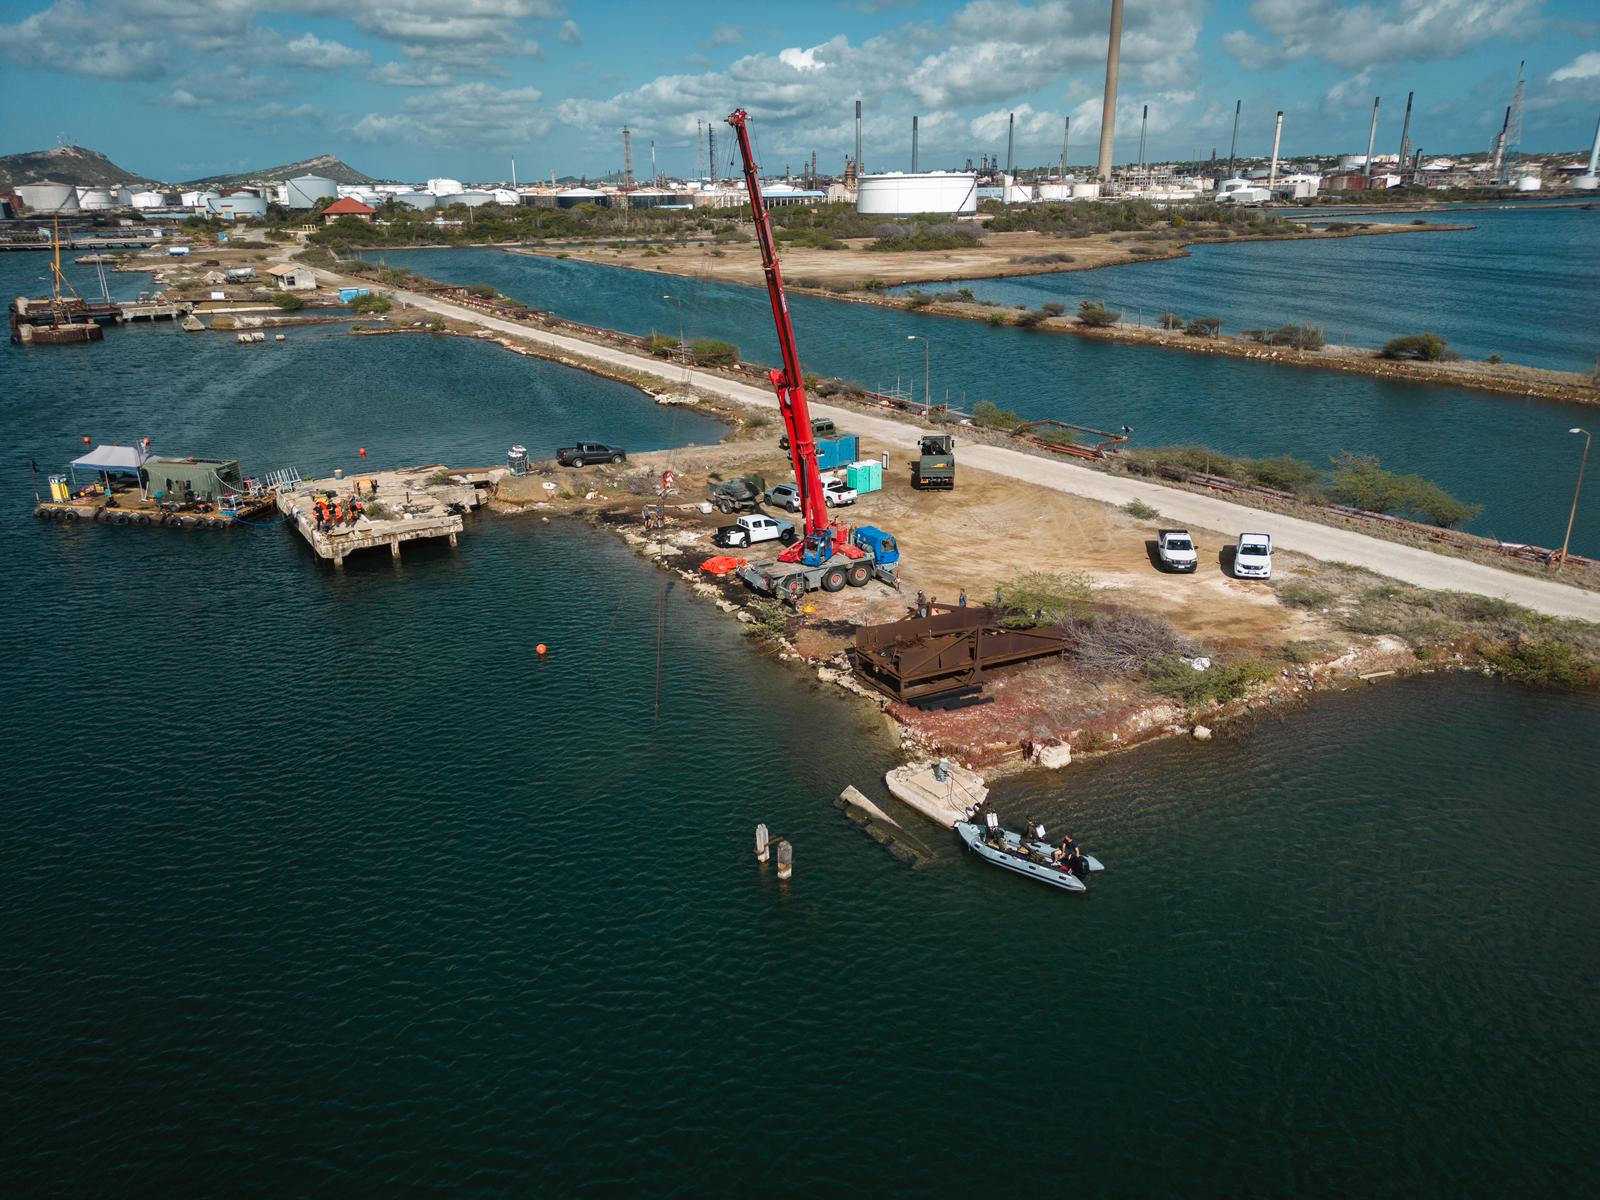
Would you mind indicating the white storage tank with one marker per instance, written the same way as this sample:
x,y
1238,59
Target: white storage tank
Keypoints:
x,y
48,197
1529,183
897,194
93,199
472,198
445,187
149,200
305,191
420,200
1086,191
239,205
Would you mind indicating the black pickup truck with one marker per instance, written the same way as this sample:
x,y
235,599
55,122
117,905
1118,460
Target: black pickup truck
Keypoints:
x,y
589,452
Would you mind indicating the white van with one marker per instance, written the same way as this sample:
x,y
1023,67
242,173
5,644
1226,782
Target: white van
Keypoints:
x,y
1252,557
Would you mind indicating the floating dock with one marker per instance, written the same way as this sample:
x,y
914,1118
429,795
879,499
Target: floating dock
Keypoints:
x,y
408,505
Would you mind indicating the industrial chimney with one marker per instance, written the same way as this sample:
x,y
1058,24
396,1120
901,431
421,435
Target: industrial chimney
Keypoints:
x,y
1066,137
1277,137
1233,146
627,157
1011,124
1108,107
858,140
1143,122
913,144
1405,133
1372,136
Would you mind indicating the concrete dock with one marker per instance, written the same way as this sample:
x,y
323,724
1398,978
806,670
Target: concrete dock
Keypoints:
x,y
409,504
944,802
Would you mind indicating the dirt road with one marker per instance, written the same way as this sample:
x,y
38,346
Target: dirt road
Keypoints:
x,y
1406,563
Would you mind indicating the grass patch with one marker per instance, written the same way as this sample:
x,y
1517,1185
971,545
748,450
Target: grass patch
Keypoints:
x,y
1222,682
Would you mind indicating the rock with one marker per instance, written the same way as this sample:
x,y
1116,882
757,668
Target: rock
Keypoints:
x,y
1202,733
1052,755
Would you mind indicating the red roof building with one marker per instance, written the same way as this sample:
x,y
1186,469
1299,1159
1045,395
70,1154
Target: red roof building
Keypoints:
x,y
347,207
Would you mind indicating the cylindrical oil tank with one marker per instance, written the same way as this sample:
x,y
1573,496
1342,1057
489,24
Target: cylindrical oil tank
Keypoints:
x,y
305,190
49,197
1086,191
472,198
897,194
93,199
149,200
423,200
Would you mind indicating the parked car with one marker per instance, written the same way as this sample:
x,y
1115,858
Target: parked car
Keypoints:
x,y
747,531
589,452
834,492
1252,557
1175,549
821,427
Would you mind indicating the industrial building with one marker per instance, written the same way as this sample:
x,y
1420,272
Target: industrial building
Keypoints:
x,y
293,278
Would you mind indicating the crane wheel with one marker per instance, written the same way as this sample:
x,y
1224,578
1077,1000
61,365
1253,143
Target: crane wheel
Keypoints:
x,y
834,580
858,575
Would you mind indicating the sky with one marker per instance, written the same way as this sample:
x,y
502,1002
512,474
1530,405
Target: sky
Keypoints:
x,y
410,89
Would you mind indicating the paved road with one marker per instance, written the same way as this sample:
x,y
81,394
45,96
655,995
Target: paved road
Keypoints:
x,y
1407,563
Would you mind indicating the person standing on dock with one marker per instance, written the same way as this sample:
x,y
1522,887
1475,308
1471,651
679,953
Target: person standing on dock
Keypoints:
x,y
961,600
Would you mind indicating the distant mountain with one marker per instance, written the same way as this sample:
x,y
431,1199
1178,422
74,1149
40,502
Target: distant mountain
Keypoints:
x,y
64,164
325,165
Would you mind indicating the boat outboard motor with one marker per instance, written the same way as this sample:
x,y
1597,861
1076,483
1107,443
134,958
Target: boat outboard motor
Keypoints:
x,y
1080,868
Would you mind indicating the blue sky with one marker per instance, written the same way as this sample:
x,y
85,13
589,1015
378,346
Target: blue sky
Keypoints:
x,y
408,89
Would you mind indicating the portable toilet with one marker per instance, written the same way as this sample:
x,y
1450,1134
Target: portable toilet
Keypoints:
x,y
865,476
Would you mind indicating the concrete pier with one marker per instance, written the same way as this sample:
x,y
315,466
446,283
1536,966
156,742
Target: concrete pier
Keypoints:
x,y
944,802
411,504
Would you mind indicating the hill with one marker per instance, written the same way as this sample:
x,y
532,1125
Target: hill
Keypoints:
x,y
64,164
325,165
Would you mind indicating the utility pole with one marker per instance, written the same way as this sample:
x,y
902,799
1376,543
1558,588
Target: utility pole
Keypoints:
x,y
1582,462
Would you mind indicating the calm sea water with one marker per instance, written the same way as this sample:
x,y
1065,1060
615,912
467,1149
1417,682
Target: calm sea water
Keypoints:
x,y
320,882
1512,456
1518,284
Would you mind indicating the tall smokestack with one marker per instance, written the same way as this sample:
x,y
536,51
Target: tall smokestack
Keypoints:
x,y
1233,147
1066,137
1405,133
1011,124
627,157
711,151
913,144
858,139
1372,136
655,176
513,172
1108,107
1143,122
1277,137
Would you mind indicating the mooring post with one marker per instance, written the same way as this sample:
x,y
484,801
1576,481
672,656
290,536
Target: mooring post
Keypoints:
x,y
394,549
785,860
338,560
762,854
452,541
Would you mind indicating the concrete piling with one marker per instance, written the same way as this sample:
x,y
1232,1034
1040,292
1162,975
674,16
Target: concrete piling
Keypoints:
x,y
785,860
762,853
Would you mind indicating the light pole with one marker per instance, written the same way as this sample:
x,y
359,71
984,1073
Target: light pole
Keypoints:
x,y
683,344
1582,462
927,396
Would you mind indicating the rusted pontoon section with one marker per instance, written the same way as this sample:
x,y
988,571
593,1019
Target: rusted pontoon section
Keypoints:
x,y
923,658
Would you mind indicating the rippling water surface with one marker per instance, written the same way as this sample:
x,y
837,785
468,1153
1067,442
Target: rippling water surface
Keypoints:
x,y
320,882
1513,456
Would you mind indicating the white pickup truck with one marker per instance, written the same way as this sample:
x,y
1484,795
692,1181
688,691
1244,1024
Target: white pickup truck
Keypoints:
x,y
1252,557
1175,549
747,531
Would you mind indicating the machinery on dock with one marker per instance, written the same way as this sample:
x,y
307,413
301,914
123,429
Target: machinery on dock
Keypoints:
x,y
828,556
936,462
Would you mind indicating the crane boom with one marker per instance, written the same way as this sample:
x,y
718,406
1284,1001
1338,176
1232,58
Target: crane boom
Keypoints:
x,y
788,383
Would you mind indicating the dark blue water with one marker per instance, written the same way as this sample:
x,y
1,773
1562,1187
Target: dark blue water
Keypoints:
x,y
1518,284
1512,456
320,882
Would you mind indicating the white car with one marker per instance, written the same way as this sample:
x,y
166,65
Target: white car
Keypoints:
x,y
834,492
747,531
1252,557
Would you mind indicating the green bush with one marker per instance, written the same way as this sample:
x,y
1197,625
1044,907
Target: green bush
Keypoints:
x,y
989,415
1204,327
1097,315
1545,662
1170,320
1360,482
996,319
714,353
370,303
287,301
1045,598
1140,510
1050,310
1423,347
770,619
1028,320
1217,684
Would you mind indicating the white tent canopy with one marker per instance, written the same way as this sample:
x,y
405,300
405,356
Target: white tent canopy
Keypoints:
x,y
113,459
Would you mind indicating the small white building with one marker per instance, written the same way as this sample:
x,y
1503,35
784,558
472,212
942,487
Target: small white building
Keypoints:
x,y
1242,191
293,278
1296,187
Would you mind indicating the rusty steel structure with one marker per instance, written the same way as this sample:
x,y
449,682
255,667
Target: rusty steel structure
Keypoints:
x,y
1107,441
924,658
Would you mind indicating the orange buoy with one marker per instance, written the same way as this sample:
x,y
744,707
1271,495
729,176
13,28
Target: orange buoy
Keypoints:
x,y
362,452
540,649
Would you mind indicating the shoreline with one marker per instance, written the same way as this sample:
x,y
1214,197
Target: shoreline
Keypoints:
x,y
1508,379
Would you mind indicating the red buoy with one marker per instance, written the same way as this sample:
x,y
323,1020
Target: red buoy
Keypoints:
x,y
540,649
362,452
86,440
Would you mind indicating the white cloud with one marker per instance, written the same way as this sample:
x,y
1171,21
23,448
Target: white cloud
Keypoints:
x,y
466,115
726,35
394,74
1351,35
308,50
1347,92
1585,66
183,98
570,33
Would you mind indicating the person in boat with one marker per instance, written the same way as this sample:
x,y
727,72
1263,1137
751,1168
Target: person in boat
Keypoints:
x,y
1064,851
1076,863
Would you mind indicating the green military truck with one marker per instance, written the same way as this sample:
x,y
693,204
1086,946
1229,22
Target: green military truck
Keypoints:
x,y
935,466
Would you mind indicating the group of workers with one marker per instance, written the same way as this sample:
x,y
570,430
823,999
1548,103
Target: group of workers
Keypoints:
x,y
331,512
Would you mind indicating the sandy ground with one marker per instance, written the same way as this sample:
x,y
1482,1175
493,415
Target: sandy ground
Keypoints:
x,y
1001,254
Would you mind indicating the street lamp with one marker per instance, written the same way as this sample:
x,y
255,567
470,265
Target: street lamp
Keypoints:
x,y
927,396
1582,462
683,344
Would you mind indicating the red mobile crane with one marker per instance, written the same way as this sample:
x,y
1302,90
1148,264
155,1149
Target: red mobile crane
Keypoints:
x,y
825,557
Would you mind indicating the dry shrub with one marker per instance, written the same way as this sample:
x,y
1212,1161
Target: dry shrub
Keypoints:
x,y
1123,642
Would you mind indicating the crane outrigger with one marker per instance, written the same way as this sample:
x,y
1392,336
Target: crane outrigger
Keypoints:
x,y
828,556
